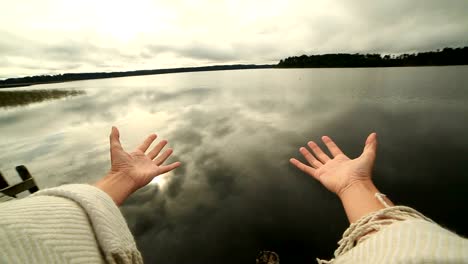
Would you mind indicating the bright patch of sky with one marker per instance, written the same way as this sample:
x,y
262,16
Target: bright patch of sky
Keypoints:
x,y
58,36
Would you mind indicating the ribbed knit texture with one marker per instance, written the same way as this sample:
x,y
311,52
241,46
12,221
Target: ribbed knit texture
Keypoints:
x,y
398,234
5,198
74,223
409,241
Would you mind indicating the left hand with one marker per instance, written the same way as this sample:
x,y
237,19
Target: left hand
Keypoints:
x,y
132,171
137,166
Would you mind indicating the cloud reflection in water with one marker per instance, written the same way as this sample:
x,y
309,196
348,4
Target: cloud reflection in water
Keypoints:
x,y
235,193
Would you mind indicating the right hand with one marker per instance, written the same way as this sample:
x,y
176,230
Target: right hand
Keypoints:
x,y
340,172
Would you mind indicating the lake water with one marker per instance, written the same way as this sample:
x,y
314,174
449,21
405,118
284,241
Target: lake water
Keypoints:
x,y
234,131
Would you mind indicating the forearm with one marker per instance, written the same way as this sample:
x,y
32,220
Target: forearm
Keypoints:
x,y
359,200
117,186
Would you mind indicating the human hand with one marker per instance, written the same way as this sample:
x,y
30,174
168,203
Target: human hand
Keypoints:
x,y
340,172
139,167
131,171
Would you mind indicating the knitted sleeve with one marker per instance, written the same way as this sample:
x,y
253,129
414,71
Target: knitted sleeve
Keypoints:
x,y
69,224
108,224
398,234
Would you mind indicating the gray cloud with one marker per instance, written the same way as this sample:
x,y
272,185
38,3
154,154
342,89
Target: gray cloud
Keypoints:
x,y
174,34
61,56
197,51
405,26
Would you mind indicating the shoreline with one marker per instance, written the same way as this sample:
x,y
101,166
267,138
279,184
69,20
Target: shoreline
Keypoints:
x,y
108,75
70,77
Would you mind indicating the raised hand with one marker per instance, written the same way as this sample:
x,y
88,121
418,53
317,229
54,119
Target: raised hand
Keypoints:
x,y
339,172
133,170
141,168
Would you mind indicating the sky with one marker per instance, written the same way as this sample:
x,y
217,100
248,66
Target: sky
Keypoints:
x,y
59,36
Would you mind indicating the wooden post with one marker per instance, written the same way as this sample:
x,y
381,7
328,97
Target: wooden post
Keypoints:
x,y
3,182
25,175
28,183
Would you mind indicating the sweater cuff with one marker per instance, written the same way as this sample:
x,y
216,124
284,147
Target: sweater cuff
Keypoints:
x,y
111,229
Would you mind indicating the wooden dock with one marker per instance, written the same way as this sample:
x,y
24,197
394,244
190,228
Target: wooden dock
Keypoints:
x,y
27,184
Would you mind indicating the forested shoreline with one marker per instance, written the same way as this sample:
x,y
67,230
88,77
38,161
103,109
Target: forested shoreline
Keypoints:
x,y
40,79
446,56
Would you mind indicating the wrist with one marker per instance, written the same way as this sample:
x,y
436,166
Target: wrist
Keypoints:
x,y
359,199
117,185
358,187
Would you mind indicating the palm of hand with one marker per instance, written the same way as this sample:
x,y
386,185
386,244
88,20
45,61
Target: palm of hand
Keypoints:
x,y
141,168
136,165
339,172
342,171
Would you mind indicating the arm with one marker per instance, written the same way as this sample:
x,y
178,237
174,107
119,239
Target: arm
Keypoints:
x,y
349,179
132,171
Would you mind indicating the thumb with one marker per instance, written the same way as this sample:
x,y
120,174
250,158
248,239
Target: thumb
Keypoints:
x,y
370,147
114,139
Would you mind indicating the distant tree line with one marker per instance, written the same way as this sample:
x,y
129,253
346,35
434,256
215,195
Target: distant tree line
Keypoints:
x,y
447,56
25,81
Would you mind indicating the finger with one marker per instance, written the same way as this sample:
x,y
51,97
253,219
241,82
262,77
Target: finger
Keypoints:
x,y
310,158
370,147
332,147
307,169
114,139
163,157
155,151
145,145
318,152
166,168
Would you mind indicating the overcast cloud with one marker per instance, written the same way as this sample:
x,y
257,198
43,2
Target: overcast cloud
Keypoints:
x,y
55,36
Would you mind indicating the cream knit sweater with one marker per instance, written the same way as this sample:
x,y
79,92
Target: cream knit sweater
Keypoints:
x,y
79,223
398,234
74,223
409,241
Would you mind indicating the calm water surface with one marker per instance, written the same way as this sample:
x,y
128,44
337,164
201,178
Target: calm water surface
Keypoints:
x,y
234,131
